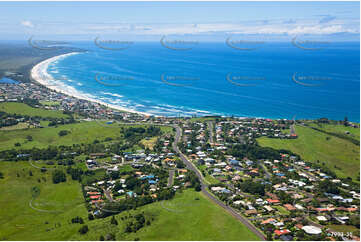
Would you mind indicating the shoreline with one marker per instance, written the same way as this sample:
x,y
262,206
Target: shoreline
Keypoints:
x,y
40,75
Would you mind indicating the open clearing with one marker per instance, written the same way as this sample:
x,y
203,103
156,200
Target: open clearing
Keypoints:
x,y
189,216
84,132
182,218
52,210
24,109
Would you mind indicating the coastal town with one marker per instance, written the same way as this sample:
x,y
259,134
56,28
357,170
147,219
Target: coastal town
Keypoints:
x,y
275,193
180,121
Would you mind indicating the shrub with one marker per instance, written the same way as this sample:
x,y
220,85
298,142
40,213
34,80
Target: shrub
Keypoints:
x,y
84,229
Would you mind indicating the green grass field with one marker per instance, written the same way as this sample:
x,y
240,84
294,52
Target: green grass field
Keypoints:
x,y
84,132
208,178
24,109
182,218
339,129
52,210
149,143
313,145
189,216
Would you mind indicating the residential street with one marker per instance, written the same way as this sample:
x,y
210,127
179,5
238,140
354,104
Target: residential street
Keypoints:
x,y
210,128
170,179
209,195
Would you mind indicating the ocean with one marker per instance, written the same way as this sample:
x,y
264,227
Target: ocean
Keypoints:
x,y
276,80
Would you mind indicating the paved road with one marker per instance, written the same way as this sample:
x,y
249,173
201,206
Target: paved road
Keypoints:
x,y
268,175
170,178
230,210
292,127
210,128
108,195
190,166
301,169
293,130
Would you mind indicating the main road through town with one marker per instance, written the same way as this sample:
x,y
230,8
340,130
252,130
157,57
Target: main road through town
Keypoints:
x,y
192,167
230,210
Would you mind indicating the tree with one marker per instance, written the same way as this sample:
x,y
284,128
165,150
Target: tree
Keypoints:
x,y
329,187
101,238
252,187
345,121
114,221
84,229
269,236
110,237
77,219
58,176
63,132
198,187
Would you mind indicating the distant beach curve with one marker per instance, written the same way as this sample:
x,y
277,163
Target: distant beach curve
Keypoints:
x,y
39,74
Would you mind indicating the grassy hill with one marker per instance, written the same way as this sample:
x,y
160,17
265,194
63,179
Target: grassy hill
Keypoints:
x,y
52,209
24,109
189,216
354,133
84,132
313,145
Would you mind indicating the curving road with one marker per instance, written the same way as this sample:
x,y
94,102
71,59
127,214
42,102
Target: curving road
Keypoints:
x,y
190,166
230,210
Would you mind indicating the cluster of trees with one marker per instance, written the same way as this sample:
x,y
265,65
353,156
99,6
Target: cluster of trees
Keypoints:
x,y
61,121
329,187
255,152
63,132
135,134
84,229
194,180
134,202
51,152
252,187
136,224
7,119
136,131
75,173
77,219
58,176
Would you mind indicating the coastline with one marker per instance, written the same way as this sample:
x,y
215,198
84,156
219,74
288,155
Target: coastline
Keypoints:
x,y
39,74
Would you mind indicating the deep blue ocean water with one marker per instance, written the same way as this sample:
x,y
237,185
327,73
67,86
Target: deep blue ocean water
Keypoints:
x,y
278,80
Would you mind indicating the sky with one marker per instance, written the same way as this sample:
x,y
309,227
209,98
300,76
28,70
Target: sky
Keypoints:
x,y
142,20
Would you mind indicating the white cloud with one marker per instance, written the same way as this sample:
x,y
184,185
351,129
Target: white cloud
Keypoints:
x,y
27,23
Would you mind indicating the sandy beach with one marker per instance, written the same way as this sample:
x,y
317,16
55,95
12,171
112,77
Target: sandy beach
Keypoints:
x,y
39,74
